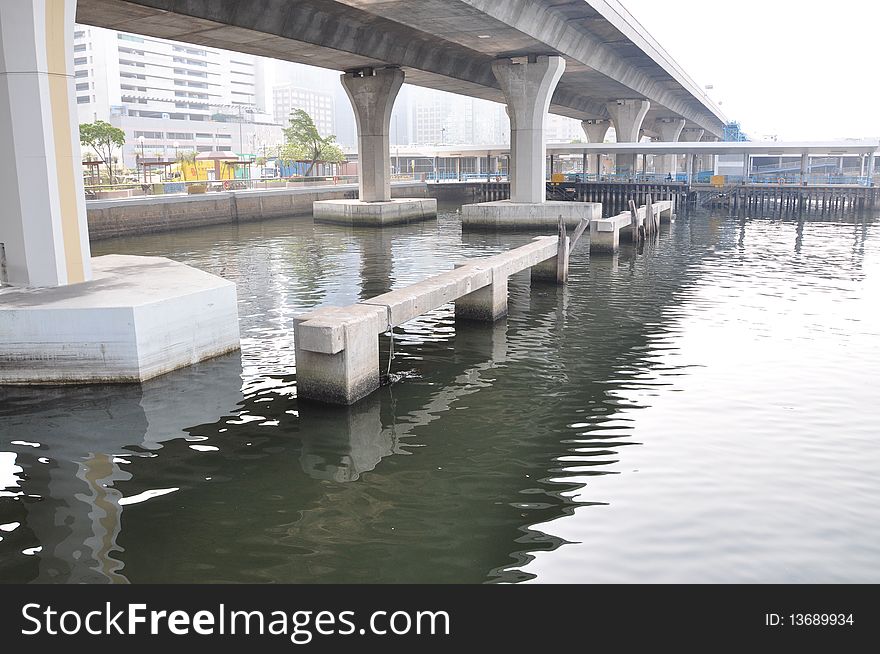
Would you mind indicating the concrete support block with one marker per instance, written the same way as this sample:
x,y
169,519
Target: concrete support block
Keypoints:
x,y
337,353
375,214
554,270
509,215
487,304
137,318
604,237
528,87
372,92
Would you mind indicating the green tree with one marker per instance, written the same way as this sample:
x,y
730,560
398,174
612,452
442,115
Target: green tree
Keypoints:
x,y
302,142
103,138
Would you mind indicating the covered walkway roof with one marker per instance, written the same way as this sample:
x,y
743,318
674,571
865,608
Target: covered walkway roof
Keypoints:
x,y
758,148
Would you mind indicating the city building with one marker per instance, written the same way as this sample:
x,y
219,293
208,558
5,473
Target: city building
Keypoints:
x,y
316,103
170,97
440,118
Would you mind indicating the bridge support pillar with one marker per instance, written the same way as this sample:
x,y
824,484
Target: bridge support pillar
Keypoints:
x,y
528,87
43,227
81,320
627,116
669,130
595,131
372,92
690,135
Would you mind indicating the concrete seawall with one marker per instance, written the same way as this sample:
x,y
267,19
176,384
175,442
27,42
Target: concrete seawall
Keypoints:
x,y
149,214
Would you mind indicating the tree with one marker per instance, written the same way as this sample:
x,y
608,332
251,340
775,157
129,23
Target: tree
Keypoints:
x,y
103,138
304,143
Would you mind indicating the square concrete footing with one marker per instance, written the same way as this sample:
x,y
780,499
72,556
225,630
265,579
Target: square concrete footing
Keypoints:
x,y
137,318
374,214
507,215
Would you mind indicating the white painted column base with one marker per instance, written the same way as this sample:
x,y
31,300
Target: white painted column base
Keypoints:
x,y
377,214
137,318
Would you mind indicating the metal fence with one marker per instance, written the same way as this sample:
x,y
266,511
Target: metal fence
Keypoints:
x,y
113,191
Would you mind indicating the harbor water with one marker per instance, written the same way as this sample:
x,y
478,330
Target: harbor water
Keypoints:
x,y
705,410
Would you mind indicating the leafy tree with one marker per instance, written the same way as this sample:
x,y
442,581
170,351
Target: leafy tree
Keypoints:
x,y
103,138
304,143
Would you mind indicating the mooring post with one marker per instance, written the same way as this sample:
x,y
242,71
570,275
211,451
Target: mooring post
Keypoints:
x,y
635,227
556,268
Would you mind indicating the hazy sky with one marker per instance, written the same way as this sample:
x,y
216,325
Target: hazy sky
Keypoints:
x,y
799,69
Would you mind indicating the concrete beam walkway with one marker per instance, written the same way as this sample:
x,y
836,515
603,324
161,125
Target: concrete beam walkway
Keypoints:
x,y
606,233
337,348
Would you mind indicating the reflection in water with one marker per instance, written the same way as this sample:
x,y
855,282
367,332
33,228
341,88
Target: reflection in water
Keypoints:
x,y
590,417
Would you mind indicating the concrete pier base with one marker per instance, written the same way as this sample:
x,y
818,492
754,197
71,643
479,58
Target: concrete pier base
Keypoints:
x,y
508,215
137,318
375,214
337,353
553,270
487,304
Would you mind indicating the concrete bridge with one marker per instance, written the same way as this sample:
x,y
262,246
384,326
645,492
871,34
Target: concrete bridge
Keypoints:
x,y
79,319
441,44
587,60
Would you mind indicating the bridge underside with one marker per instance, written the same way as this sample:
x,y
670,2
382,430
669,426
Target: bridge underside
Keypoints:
x,y
441,44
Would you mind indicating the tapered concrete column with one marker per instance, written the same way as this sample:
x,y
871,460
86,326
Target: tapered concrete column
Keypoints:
x,y
690,135
43,228
372,92
595,131
627,116
669,131
528,87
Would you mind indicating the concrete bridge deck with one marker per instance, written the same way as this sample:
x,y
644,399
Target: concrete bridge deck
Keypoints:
x,y
441,44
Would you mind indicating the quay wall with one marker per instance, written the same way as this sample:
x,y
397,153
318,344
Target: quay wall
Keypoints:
x,y
162,213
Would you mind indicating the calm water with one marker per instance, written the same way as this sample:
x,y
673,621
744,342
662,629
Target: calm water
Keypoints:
x,y
705,411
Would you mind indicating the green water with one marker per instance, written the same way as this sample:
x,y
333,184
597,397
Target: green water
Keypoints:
x,y
705,410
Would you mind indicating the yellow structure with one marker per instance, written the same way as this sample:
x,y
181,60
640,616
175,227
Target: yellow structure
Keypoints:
x,y
718,181
201,170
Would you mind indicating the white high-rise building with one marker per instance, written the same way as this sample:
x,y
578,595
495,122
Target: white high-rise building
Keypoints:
x,y
317,104
169,97
440,118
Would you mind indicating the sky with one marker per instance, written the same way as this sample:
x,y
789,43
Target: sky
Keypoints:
x,y
793,69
